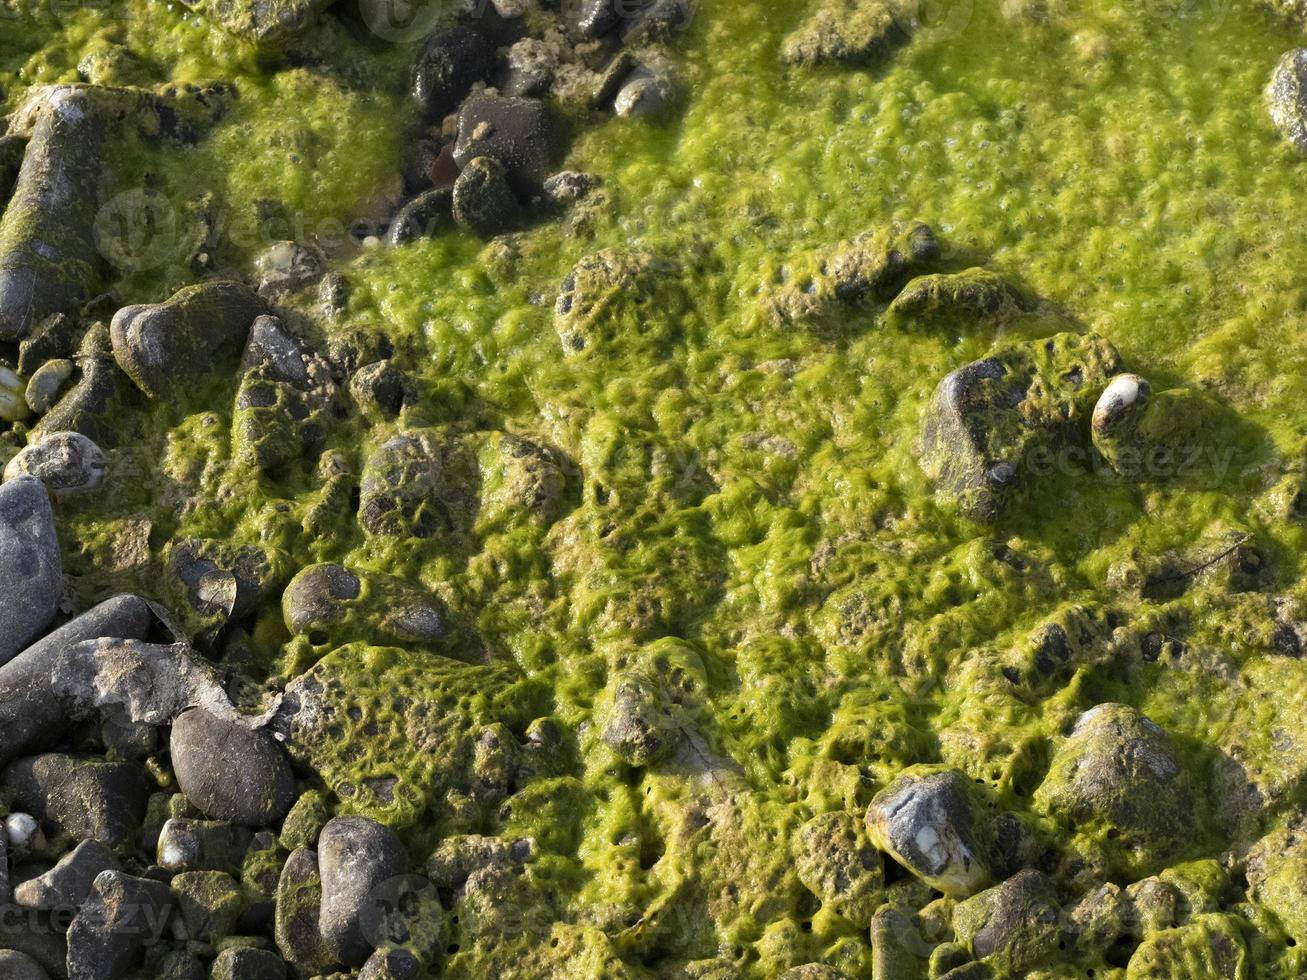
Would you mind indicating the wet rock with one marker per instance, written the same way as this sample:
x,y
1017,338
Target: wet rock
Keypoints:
x,y
67,463
202,845
590,19
1209,947
1277,878
972,293
419,484
266,23
231,771
530,68
299,904
31,569
316,597
305,821
333,294
122,915
381,390
517,132
248,964
484,203
1286,97
19,966
1118,782
328,603
659,20
355,855
12,149
68,884
13,401
852,32
286,267
570,186
99,390
282,404
56,337
595,285
48,383
927,821
185,340
837,862
222,582
877,264
423,217
209,903
393,964
1013,926
992,419
260,870
449,64
645,94
637,726
31,712
49,262
88,799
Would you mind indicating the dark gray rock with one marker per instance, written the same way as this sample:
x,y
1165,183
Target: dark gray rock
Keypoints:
x,y
53,338
517,132
316,598
248,964
1013,926
484,202
91,406
645,94
393,964
420,483
12,149
299,905
32,714
659,20
88,799
430,212
927,822
202,845
168,346
590,19
231,771
209,904
449,65
122,916
19,966
68,884
67,463
381,390
355,856
1286,97
31,569
530,68
179,964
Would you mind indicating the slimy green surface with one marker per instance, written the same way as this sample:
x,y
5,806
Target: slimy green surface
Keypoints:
x,y
744,509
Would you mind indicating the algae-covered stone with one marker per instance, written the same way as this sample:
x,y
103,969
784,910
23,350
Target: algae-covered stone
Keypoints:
x,y
1013,926
68,463
638,726
100,392
1118,782
848,31
201,329
68,883
12,148
599,288
14,406
928,822
266,23
423,217
230,770
210,903
419,484
1286,97
1277,879
1209,948
484,202
299,903
988,419
220,582
877,264
187,844
47,384
837,862
31,568
242,963
86,798
330,604
391,732
967,295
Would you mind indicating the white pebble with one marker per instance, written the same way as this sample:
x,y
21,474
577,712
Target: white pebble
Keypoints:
x,y
21,830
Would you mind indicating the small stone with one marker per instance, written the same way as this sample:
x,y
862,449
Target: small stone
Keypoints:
x,y
248,964
530,68
19,966
658,20
419,483
230,771
299,904
22,831
381,390
847,31
590,19
13,401
423,217
518,132
31,568
68,463
1286,97
355,856
46,386
305,821
926,822
202,845
286,267
393,964
316,597
570,186
958,296
1013,926
88,799
210,903
645,94
448,66
68,884
122,915
483,200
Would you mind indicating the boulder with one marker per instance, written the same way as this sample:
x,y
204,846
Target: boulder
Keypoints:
x,y
355,856
86,798
122,915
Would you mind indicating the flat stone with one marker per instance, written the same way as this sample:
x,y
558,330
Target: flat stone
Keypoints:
x,y
68,884
87,798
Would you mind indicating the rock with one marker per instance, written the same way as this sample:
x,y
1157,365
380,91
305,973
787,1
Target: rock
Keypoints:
x,y
287,267
992,418
393,964
49,262
1117,782
590,19
530,68
1277,879
220,582
332,605
268,24
260,871
167,346
19,966
248,964
1013,926
855,32
423,217
658,20
596,286
355,856
91,406
68,884
54,338
230,771
202,845
645,94
299,903
23,833
122,915
419,484
927,822
879,263
1211,947
637,726
31,569
282,404
837,862
483,199
517,132
179,964
31,712
316,597
210,903
570,186
966,295
449,64
813,971
68,463
381,390
85,798
12,149
45,387
1286,97
13,399
305,821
